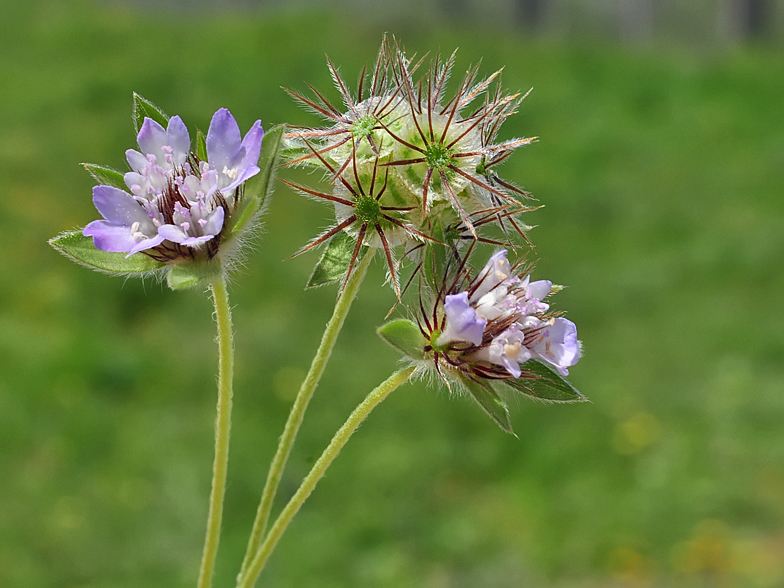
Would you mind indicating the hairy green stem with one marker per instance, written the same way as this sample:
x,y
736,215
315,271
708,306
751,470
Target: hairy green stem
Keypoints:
x,y
297,413
222,429
317,472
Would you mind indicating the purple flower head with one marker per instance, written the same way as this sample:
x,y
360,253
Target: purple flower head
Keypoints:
x,y
177,203
502,316
462,324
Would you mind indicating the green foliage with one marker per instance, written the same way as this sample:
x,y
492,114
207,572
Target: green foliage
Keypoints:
x,y
106,175
405,336
201,145
143,108
75,246
541,382
183,276
490,401
334,261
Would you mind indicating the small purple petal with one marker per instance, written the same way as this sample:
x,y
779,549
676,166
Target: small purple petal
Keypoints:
x,y
173,233
223,140
252,145
179,139
496,271
109,237
462,323
118,207
151,138
214,222
136,160
511,366
133,178
196,241
559,346
243,177
540,289
146,244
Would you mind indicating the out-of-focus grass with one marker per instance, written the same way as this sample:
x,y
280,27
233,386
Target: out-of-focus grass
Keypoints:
x,y
662,173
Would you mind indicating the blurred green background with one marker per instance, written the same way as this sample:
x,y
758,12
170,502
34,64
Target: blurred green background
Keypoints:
x,y
661,167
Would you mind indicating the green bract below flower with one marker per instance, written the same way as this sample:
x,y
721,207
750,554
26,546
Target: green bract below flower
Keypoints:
x,y
180,209
408,165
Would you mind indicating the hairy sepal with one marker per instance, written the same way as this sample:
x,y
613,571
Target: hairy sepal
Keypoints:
x,y
143,108
334,262
541,382
201,145
405,336
106,176
183,276
490,402
75,246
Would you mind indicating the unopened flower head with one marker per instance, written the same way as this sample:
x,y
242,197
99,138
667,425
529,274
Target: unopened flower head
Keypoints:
x,y
427,161
488,326
176,205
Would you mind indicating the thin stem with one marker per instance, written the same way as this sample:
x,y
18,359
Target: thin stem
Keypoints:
x,y
317,472
297,413
222,429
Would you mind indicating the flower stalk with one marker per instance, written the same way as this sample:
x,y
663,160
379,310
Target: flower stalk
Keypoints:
x,y
297,414
222,430
340,439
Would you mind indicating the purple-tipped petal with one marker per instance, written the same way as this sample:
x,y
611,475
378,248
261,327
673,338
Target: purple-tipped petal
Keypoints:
x,y
118,207
540,289
251,146
462,324
178,139
223,140
214,222
559,345
136,160
146,244
172,233
496,271
109,237
151,138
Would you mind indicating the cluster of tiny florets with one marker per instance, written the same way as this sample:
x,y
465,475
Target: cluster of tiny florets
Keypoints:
x,y
176,205
487,325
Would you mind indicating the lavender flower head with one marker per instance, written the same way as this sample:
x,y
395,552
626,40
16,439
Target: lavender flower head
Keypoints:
x,y
496,322
509,322
177,204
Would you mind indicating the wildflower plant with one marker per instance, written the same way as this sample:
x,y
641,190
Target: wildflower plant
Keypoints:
x,y
411,174
183,212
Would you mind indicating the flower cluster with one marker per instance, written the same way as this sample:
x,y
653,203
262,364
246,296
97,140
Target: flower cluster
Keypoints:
x,y
500,321
177,204
490,333
405,162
